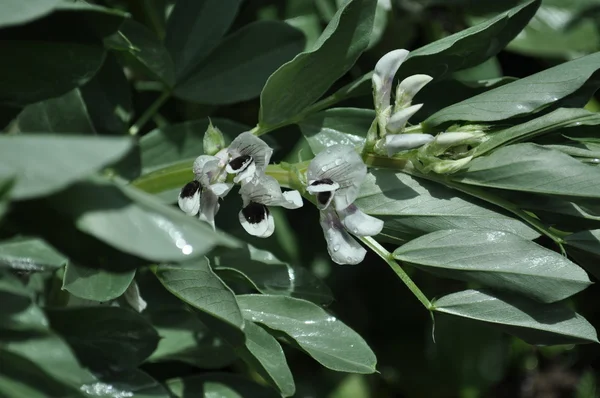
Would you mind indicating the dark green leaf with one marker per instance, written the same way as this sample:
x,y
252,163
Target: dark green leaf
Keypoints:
x,y
323,336
95,284
265,355
586,240
411,207
105,337
497,259
540,170
30,254
218,385
14,12
269,275
471,46
18,310
241,64
346,126
184,338
131,383
303,80
536,323
527,95
196,284
195,28
64,114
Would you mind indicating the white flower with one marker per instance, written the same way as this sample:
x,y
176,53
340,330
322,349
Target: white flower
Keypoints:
x,y
402,142
202,194
335,176
258,193
249,155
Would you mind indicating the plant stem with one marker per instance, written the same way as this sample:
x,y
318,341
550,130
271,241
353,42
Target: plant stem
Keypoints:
x,y
387,257
149,113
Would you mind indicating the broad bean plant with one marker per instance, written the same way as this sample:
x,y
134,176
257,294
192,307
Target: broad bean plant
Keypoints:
x,y
179,181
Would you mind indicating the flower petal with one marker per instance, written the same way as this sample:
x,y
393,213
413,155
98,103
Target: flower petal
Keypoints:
x,y
221,189
133,297
383,76
342,247
409,87
342,165
189,198
398,120
402,142
324,185
265,190
245,168
209,206
257,220
250,145
208,170
359,223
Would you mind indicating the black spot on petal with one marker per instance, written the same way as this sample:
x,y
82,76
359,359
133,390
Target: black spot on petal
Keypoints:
x,y
241,163
190,189
324,197
255,213
324,181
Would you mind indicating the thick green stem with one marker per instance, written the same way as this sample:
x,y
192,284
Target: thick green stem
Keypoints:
x,y
389,259
149,113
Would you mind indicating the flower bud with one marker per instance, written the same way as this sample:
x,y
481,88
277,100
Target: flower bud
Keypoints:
x,y
408,88
398,120
455,138
402,142
383,76
213,140
450,166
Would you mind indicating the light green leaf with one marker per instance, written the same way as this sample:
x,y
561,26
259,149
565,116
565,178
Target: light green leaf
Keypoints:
x,y
135,222
268,275
105,337
553,121
44,164
265,355
131,383
95,284
411,207
218,385
528,95
195,28
184,338
18,311
30,254
15,12
536,323
241,64
64,114
496,259
197,285
5,187
303,80
323,336
346,126
469,47
540,170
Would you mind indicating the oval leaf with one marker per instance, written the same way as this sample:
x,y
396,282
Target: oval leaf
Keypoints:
x,y
14,12
536,323
496,259
30,254
95,284
323,336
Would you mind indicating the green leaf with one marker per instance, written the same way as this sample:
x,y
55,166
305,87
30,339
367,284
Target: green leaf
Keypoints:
x,y
184,338
105,337
15,12
520,98
303,80
553,121
197,285
30,254
18,310
323,336
95,284
218,385
411,207
44,164
496,259
268,275
588,241
195,28
5,187
135,222
131,383
241,64
540,170
346,126
108,98
536,323
64,114
140,48
265,355
471,46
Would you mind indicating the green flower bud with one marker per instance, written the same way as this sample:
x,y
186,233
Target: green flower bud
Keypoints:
x,y
213,140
